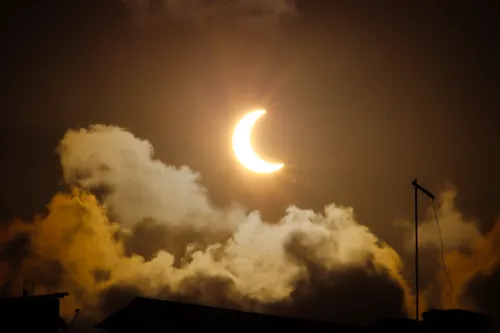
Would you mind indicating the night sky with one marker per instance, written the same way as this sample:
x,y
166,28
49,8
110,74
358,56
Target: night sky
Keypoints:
x,y
361,99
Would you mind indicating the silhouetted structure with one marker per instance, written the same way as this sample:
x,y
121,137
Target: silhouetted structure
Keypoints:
x,y
148,315
396,325
456,321
417,187
32,314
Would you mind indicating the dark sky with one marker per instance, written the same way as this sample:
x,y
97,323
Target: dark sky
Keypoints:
x,y
361,99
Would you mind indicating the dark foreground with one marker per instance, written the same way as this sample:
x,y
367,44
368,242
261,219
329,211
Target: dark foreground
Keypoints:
x,y
41,314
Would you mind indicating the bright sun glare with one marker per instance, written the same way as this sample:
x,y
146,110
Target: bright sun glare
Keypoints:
x,y
242,145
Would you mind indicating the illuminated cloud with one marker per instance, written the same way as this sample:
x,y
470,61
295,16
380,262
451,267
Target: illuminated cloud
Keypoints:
x,y
132,225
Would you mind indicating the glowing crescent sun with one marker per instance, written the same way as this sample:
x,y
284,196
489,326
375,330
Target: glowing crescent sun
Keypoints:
x,y
242,145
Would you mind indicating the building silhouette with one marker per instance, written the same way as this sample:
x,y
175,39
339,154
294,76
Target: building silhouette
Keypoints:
x,y
38,313
151,315
148,315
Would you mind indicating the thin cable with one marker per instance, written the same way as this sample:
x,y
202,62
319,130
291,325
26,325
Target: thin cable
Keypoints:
x,y
442,254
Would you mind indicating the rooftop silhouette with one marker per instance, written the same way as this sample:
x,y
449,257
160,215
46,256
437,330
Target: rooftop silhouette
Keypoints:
x,y
36,313
144,314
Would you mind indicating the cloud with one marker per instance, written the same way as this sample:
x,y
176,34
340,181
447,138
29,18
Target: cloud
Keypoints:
x,y
138,186
132,225
471,258
457,231
131,221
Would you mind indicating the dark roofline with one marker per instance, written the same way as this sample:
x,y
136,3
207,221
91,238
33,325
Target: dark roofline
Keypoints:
x,y
226,310
37,297
103,323
117,314
402,323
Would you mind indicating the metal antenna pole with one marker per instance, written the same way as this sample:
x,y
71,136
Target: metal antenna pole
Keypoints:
x,y
417,187
416,249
